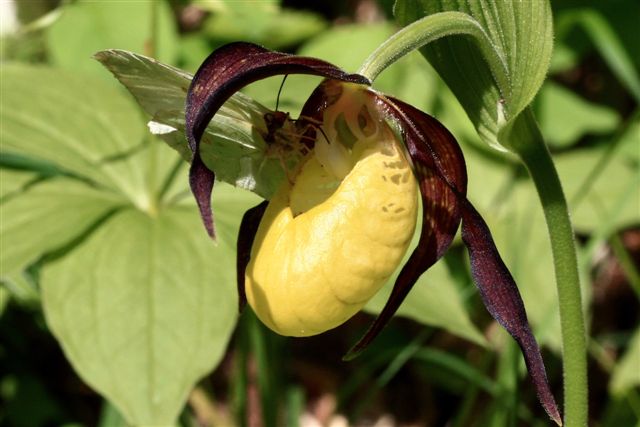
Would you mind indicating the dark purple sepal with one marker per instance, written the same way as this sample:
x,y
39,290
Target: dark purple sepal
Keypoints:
x,y
201,180
502,299
431,148
226,71
246,235
435,153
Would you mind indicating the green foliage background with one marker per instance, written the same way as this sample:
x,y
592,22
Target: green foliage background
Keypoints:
x,y
102,249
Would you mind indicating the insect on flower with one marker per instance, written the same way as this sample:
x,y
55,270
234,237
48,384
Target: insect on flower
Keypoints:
x,y
330,237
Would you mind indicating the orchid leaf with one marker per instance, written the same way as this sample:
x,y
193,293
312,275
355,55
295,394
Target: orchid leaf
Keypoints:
x,y
141,328
231,144
503,84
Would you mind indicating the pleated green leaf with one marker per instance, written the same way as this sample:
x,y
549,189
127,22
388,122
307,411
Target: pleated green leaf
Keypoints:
x,y
520,36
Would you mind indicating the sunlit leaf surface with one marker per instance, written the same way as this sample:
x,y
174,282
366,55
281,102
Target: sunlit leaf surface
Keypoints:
x,y
140,300
46,217
143,308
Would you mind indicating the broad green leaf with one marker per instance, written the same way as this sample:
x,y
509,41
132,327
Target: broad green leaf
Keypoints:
x,y
628,147
89,26
626,374
21,287
231,146
435,300
13,181
79,124
46,217
564,117
519,35
602,188
145,305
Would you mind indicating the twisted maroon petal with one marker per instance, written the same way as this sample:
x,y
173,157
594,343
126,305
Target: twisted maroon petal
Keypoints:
x,y
246,235
436,156
500,295
429,143
223,73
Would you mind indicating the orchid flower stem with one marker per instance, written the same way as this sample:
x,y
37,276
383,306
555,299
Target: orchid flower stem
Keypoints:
x,y
526,140
431,28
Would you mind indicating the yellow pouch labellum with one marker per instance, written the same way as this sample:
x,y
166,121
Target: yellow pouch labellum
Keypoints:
x,y
327,243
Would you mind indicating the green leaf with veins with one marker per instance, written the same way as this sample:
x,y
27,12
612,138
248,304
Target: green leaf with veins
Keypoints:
x,y
231,145
81,125
145,306
139,298
46,217
13,181
504,84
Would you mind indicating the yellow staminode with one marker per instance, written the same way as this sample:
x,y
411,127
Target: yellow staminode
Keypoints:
x,y
330,240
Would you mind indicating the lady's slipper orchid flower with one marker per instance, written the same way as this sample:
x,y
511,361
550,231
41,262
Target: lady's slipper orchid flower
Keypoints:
x,y
336,230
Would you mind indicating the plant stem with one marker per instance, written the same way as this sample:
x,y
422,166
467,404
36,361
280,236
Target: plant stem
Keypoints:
x,y
431,28
527,141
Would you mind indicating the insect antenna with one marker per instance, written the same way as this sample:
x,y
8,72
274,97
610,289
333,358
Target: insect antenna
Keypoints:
x,y
284,79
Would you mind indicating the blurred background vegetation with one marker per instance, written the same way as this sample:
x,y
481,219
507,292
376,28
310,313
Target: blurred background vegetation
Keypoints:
x,y
442,360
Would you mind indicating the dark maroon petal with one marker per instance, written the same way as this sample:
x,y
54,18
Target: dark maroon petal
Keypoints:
x,y
503,301
223,73
429,144
201,181
246,235
436,156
